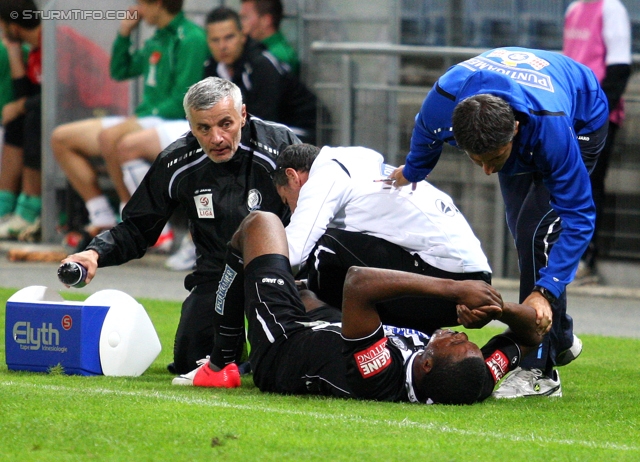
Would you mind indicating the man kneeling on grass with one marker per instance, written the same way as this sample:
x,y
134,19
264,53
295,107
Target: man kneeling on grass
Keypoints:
x,y
297,347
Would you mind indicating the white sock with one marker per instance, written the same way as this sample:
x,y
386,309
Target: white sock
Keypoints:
x,y
133,172
100,212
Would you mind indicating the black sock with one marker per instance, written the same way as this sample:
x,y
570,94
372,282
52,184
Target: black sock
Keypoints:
x,y
229,312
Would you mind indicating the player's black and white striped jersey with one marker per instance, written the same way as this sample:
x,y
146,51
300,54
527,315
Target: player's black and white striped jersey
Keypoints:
x,y
380,366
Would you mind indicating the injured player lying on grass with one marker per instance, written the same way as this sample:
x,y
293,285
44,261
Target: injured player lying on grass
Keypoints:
x,y
301,346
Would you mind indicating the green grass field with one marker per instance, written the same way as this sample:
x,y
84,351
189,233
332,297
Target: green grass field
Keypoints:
x,y
59,417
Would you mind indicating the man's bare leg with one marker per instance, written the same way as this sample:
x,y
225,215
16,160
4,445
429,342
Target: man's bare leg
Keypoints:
x,y
142,146
108,140
10,179
11,168
72,145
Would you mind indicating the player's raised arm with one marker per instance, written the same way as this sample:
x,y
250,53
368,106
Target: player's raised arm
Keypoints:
x,y
364,287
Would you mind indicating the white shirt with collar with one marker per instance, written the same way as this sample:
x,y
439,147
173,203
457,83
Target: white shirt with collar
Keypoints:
x,y
341,193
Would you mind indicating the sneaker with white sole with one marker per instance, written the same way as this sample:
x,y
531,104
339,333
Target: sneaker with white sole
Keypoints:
x,y
11,228
184,259
32,233
566,356
529,382
204,376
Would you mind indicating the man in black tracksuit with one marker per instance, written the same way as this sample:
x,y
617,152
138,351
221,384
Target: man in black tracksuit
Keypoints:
x,y
218,172
269,89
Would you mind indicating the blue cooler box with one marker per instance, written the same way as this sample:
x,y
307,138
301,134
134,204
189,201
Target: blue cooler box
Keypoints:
x,y
41,335
110,333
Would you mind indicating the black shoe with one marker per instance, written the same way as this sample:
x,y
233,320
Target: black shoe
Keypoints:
x,y
245,368
570,354
171,367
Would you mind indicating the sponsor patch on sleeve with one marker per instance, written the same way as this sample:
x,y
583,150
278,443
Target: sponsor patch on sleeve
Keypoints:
x,y
374,359
498,364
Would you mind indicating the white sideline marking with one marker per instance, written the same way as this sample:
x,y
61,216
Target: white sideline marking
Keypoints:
x,y
316,415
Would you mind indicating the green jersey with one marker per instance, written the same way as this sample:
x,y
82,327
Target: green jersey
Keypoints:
x,y
279,47
170,61
6,83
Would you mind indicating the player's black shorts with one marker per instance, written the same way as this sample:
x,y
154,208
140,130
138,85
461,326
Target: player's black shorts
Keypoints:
x,y
290,352
14,132
25,132
337,250
32,145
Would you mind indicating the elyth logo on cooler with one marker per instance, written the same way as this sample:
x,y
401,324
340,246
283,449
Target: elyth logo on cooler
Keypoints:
x,y
46,338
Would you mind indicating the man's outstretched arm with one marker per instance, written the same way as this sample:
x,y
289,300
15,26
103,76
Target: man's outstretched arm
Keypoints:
x,y
364,287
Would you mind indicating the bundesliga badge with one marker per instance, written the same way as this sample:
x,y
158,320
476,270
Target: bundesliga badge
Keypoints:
x,y
204,205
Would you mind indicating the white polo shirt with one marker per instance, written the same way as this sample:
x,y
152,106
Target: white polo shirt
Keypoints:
x,y
341,193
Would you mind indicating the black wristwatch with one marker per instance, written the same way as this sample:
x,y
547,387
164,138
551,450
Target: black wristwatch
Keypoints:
x,y
546,293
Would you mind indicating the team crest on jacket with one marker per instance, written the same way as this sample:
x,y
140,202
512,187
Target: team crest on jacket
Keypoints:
x,y
254,200
399,344
446,208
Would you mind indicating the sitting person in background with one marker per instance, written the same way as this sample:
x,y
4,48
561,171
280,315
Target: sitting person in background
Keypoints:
x,y
269,90
11,162
261,21
169,62
6,82
21,119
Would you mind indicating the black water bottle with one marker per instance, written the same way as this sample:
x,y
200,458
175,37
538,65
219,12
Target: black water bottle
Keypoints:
x,y
72,274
